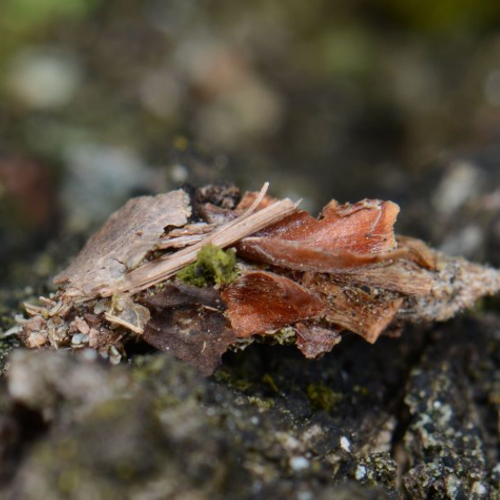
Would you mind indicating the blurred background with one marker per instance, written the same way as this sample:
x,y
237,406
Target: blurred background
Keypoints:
x,y
101,100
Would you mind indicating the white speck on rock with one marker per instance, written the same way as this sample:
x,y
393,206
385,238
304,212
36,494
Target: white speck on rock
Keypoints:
x,y
305,495
345,444
453,485
360,472
479,488
299,463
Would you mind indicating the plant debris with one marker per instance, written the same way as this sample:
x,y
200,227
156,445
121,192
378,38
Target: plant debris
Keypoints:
x,y
157,272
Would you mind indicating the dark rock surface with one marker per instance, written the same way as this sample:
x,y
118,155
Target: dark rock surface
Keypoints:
x,y
416,416
419,412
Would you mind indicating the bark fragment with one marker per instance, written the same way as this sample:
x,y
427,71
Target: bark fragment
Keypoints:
x,y
363,312
347,236
123,242
314,340
260,301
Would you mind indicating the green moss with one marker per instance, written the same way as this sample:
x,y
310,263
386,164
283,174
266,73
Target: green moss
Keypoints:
x,y
213,265
322,397
241,384
221,376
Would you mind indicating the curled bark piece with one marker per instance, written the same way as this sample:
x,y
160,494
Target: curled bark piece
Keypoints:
x,y
357,310
260,301
346,237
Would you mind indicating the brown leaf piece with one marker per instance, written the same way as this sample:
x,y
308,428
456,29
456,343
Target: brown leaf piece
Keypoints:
x,y
314,340
298,256
347,236
194,334
123,242
365,227
261,301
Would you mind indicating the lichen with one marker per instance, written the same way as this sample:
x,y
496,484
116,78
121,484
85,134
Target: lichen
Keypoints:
x,y
285,336
213,265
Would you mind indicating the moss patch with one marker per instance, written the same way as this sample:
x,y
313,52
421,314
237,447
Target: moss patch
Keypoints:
x,y
322,397
213,265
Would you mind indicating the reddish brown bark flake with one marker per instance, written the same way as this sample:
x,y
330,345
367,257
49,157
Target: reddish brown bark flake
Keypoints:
x,y
261,301
364,228
356,310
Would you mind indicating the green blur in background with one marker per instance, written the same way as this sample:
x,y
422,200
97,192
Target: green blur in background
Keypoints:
x,y
100,101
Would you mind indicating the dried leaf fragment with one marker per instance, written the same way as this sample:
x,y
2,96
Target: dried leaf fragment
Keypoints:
x,y
196,335
366,227
298,256
260,301
125,312
347,236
